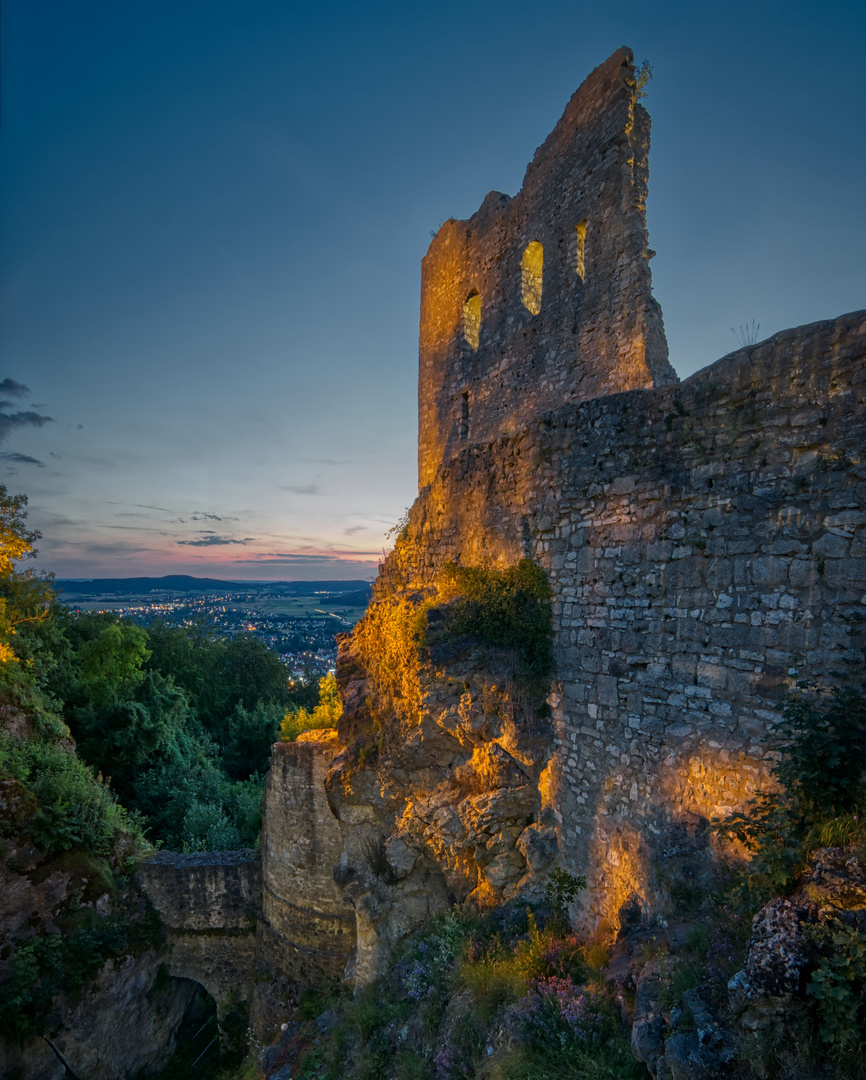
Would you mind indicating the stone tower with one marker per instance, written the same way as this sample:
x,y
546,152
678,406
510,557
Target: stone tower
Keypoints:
x,y
546,297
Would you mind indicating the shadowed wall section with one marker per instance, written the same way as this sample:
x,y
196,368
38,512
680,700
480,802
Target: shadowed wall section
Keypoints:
x,y
308,930
210,903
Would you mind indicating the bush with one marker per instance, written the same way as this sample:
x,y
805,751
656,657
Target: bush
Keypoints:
x,y
73,808
325,715
508,608
821,743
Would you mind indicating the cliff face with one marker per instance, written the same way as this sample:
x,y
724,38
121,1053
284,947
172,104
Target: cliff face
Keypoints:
x,y
80,954
705,543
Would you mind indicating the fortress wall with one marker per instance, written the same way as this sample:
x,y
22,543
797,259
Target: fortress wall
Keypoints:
x,y
209,890
308,931
209,902
706,544
597,330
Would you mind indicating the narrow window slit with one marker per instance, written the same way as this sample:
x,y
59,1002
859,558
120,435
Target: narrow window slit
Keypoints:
x,y
580,252
531,267
472,320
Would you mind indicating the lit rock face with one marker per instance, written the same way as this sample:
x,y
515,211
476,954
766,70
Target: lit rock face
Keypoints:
x,y
705,544
545,297
439,799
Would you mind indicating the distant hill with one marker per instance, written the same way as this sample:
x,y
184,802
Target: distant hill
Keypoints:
x,y
185,583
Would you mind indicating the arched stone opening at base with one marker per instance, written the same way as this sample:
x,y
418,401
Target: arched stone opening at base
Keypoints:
x,y
211,1036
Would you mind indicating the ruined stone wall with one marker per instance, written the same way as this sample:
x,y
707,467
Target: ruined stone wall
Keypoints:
x,y
507,334
308,930
210,904
706,544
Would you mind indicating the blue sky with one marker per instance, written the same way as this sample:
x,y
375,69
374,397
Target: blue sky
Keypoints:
x,y
212,217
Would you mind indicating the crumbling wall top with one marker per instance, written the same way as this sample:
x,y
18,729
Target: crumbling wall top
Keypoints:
x,y
545,297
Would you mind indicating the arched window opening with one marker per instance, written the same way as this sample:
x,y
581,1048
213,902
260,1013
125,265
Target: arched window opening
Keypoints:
x,y
472,320
580,253
464,415
530,277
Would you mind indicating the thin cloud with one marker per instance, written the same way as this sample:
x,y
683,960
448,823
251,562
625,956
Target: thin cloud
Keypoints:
x,y
10,422
300,560
22,459
300,489
200,516
216,541
16,389
140,506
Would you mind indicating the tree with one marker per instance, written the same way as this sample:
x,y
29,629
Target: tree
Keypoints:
x,y
25,596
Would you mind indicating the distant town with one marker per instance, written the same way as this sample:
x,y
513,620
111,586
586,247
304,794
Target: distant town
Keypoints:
x,y
299,620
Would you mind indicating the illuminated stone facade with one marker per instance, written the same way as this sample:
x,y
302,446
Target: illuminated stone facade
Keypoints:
x,y
560,275
706,544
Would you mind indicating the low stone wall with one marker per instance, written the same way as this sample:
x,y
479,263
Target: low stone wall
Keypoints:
x,y
210,903
209,890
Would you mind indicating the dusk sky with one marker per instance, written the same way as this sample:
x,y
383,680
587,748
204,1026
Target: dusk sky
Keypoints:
x,y
213,214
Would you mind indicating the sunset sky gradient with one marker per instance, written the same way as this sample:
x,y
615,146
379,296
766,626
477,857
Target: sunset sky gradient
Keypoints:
x,y
212,217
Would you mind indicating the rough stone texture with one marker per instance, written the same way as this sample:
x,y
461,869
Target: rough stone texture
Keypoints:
x,y
210,903
257,930
209,890
121,1026
769,995
597,330
308,930
705,544
122,1023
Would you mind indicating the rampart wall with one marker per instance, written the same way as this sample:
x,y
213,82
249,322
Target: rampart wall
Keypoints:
x,y
706,545
308,929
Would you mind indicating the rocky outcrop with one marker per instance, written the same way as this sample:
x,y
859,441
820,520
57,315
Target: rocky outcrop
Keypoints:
x,y
769,1006
440,793
770,994
125,1023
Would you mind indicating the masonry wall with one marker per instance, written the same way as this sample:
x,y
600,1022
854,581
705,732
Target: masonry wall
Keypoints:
x,y
598,329
308,930
209,903
707,544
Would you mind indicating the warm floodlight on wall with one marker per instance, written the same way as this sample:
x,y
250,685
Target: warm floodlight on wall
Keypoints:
x,y
531,266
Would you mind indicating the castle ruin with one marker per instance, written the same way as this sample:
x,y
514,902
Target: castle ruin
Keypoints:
x,y
705,542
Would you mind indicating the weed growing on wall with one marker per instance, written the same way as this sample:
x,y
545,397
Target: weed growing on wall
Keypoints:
x,y
502,609
508,608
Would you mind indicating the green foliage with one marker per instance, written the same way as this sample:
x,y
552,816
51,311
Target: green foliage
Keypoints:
x,y
182,722
324,715
73,809
465,982
110,663
824,749
562,887
509,608
838,984
49,964
821,743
